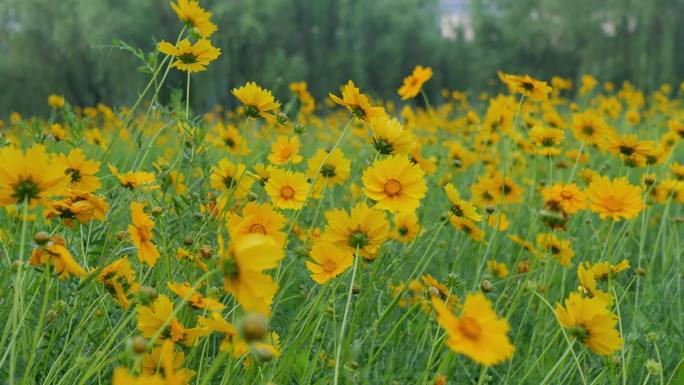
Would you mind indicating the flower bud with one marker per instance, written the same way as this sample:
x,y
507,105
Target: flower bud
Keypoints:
x,y
490,209
254,326
188,240
281,117
206,251
41,237
139,345
640,271
121,235
356,289
156,211
653,367
353,365
486,286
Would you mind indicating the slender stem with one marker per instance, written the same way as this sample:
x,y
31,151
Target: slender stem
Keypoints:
x,y
344,319
187,98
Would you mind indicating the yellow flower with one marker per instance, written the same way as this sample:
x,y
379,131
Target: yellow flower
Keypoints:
x,y
389,137
406,227
256,100
134,179
459,207
329,262
333,170
119,279
467,226
165,359
194,298
590,321
196,18
567,197
545,138
230,137
628,145
395,184
499,269
285,150
615,198
56,101
258,219
414,82
588,84
57,132
287,189
230,178
589,127
478,333
191,58
56,254
243,264
151,319
588,284
558,248
121,377
357,103
364,228
525,85
84,207
80,170
29,177
140,231
231,340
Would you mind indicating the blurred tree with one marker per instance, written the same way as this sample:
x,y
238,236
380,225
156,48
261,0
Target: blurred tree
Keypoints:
x,y
65,46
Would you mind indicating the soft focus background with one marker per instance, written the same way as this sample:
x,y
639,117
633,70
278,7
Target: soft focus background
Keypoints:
x,y
65,46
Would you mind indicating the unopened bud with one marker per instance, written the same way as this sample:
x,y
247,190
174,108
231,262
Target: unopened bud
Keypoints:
x,y
121,235
281,117
139,345
206,251
254,326
41,237
486,286
156,211
356,289
640,271
653,367
146,295
187,241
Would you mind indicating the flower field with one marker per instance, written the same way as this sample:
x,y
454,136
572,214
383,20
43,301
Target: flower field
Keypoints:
x,y
529,236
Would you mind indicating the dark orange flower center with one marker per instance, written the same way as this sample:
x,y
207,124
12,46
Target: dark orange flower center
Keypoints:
x,y
392,187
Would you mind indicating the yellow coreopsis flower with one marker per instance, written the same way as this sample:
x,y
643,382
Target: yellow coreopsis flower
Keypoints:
x,y
478,333
357,103
83,207
229,178
152,318
414,82
389,137
396,184
119,279
196,18
243,264
122,377
164,359
55,253
80,170
194,298
56,101
258,219
30,177
333,170
615,198
256,100
560,249
190,57
364,228
406,227
329,262
134,179
567,197
287,189
285,150
527,86
590,321
140,231
460,207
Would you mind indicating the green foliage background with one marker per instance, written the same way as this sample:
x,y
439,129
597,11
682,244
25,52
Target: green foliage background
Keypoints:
x,y
65,46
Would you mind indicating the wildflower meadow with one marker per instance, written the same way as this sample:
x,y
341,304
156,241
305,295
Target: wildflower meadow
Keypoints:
x,y
528,236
